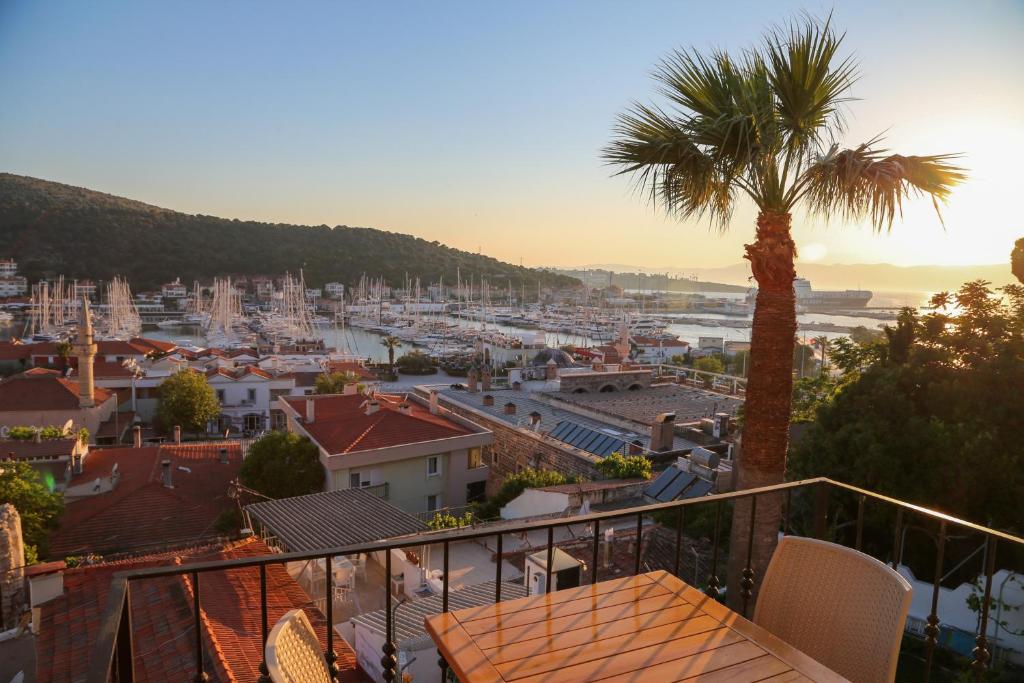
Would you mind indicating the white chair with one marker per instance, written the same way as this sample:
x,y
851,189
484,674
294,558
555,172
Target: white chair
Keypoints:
x,y
843,608
293,653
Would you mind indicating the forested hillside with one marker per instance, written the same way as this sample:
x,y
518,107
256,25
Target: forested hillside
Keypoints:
x,y
51,228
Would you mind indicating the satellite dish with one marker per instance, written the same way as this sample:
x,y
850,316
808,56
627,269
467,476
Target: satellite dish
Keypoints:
x,y
68,426
114,470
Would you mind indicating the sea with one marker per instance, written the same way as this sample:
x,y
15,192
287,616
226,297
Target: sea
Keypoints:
x,y
368,345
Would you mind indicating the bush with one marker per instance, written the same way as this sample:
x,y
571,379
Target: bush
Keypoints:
x,y
616,466
446,520
415,363
709,364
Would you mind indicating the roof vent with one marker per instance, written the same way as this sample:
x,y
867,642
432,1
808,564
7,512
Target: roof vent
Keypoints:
x,y
510,408
165,467
488,400
372,406
405,408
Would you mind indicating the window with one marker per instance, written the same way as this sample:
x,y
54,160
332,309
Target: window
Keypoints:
x,y
252,395
433,502
220,395
475,459
433,466
353,480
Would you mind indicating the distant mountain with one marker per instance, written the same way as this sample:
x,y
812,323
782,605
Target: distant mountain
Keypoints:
x,y
880,277
51,229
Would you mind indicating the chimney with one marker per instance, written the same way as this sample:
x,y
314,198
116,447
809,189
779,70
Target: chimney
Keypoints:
x,y
165,469
177,433
534,419
37,436
635,447
223,455
350,389
471,381
488,400
310,411
137,436
434,407
372,406
404,408
663,432
516,386
486,378
510,408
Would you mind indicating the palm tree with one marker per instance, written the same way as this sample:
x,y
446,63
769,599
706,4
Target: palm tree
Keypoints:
x,y
64,349
763,125
392,343
1017,260
822,343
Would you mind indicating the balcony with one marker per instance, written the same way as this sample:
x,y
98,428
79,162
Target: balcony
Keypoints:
x,y
933,545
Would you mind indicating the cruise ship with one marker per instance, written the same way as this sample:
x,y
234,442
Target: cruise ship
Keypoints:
x,y
809,299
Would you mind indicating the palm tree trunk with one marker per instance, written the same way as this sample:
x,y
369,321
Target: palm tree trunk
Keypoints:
x,y
762,458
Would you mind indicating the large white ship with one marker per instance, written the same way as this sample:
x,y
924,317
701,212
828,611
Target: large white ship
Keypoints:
x,y
809,299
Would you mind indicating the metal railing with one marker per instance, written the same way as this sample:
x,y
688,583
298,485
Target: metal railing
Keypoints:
x,y
112,656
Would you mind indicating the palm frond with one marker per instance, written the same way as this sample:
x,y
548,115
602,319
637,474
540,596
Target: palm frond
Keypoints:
x,y
809,87
866,182
668,165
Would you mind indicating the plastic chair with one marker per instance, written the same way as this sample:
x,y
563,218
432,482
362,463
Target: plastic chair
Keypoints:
x,y
843,608
293,651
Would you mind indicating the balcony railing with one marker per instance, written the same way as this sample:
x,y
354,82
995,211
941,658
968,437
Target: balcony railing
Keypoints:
x,y
833,510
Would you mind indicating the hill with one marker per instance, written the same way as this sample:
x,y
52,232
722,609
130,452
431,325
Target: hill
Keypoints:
x,y
51,228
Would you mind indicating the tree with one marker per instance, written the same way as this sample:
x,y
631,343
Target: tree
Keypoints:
x,y
64,350
37,504
762,125
821,342
391,343
416,363
709,364
187,401
618,466
282,465
335,382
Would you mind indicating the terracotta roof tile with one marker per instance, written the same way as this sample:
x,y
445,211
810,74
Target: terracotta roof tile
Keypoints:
x,y
42,389
162,620
341,425
140,512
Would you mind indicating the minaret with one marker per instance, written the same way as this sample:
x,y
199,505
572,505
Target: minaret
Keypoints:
x,y
85,350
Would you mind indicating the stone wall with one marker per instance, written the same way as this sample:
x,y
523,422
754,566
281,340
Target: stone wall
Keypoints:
x,y
515,449
12,566
595,382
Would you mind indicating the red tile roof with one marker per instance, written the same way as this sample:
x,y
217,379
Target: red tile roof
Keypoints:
x,y
42,389
351,366
341,424
140,512
15,351
47,448
162,620
239,373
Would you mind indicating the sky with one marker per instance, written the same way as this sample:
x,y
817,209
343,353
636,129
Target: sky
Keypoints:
x,y
480,124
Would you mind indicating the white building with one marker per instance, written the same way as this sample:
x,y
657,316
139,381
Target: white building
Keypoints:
x,y
335,290
14,285
174,290
244,396
8,267
654,351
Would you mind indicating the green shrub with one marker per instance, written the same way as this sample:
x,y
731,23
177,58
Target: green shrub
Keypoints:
x,y
617,466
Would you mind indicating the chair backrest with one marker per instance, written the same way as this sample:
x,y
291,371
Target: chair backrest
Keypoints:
x,y
293,651
843,608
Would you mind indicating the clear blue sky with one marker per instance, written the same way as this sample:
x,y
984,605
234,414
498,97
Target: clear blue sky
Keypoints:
x,y
479,124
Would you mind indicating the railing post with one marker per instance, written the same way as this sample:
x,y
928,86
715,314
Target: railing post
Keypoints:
x,y
819,524
201,675
713,582
125,656
931,631
596,550
264,671
639,537
388,661
441,662
747,582
680,518
497,572
551,558
981,652
329,656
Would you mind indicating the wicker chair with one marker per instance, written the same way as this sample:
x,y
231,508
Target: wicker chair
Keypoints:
x,y
293,651
840,606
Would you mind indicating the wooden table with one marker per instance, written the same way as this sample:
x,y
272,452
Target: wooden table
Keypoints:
x,y
651,627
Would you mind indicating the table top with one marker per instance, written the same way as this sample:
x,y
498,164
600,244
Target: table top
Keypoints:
x,y
650,627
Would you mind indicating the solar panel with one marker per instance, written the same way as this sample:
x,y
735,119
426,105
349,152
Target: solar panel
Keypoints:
x,y
655,488
586,439
681,483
